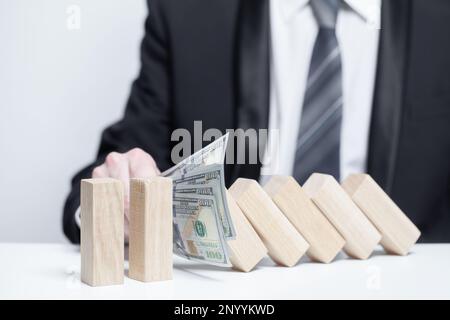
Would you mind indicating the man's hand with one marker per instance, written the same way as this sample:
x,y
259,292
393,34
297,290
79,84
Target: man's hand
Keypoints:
x,y
136,163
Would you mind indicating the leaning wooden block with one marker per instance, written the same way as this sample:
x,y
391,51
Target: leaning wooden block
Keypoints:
x,y
324,240
102,237
360,235
150,243
247,249
285,245
399,234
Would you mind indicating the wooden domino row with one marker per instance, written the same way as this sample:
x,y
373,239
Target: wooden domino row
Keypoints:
x,y
319,219
283,220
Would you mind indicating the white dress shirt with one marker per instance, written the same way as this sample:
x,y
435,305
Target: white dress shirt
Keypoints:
x,y
293,34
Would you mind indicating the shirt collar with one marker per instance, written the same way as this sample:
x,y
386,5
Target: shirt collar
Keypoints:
x,y
368,10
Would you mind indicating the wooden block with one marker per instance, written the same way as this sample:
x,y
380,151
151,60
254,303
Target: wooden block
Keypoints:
x,y
102,235
324,240
151,229
360,235
247,249
399,234
285,245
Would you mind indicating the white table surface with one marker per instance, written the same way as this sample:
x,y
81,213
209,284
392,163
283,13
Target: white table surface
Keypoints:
x,y
48,271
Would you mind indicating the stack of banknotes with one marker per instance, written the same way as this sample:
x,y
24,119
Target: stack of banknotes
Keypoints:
x,y
201,220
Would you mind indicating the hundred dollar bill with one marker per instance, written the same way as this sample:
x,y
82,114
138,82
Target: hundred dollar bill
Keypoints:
x,y
210,176
214,153
207,189
210,189
197,231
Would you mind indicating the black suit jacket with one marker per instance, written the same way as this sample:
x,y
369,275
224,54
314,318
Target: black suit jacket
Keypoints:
x,y
209,60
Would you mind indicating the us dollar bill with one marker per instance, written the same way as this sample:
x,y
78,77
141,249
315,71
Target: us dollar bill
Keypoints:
x,y
214,153
209,180
210,189
198,234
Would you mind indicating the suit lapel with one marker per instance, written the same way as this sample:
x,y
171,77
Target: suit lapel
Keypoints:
x,y
388,94
253,73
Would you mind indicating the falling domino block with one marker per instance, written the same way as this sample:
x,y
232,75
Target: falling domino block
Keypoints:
x,y
324,240
285,245
399,234
247,249
102,235
360,235
151,229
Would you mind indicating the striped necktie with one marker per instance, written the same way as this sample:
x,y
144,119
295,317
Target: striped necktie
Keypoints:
x,y
318,141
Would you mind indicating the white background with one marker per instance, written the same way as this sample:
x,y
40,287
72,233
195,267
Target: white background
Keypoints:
x,y
59,87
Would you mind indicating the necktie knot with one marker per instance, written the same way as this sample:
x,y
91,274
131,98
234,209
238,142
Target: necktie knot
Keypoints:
x,y
325,12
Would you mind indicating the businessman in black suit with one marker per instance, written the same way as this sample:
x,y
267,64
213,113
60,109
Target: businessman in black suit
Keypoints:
x,y
220,61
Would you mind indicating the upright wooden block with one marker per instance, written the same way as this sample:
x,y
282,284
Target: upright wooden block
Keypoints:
x,y
324,240
285,245
247,249
399,234
151,229
360,235
102,235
